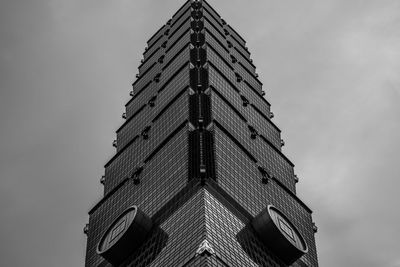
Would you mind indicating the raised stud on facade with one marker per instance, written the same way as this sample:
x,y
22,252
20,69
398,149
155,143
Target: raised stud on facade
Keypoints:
x,y
135,176
145,133
315,228
238,77
265,175
253,132
296,178
271,115
86,229
152,101
245,101
157,77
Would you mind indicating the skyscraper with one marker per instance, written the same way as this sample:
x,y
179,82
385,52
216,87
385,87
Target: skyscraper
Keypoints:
x,y
199,178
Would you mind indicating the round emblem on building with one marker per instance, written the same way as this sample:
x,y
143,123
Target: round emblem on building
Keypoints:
x,y
280,235
124,235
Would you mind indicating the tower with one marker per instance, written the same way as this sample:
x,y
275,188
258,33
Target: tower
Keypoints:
x,y
199,178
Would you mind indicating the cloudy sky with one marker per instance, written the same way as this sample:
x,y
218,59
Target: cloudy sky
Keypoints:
x,y
331,69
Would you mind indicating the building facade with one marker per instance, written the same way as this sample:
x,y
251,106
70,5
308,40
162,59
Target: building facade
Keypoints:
x,y
199,178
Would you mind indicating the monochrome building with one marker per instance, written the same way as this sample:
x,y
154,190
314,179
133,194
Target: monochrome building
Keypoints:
x,y
199,177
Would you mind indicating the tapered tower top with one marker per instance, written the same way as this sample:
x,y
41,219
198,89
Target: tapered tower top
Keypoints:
x,y
199,177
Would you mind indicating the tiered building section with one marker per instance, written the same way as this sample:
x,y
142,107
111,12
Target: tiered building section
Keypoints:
x,y
199,178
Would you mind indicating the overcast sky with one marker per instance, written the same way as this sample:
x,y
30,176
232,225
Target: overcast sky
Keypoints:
x,y
331,69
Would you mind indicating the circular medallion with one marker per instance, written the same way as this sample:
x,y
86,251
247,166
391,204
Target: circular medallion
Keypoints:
x,y
125,234
280,235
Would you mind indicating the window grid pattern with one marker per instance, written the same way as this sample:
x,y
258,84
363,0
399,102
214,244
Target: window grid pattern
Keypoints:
x,y
179,23
239,39
220,42
180,80
152,58
231,122
185,231
224,230
200,262
209,26
212,19
212,11
140,148
184,41
141,99
156,37
185,27
121,167
224,88
134,126
214,262
264,126
238,175
261,150
156,45
216,60
144,79
248,77
138,123
254,118
165,125
238,46
173,88
176,16
244,181
279,167
217,46
255,98
220,82
243,60
164,176
175,65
